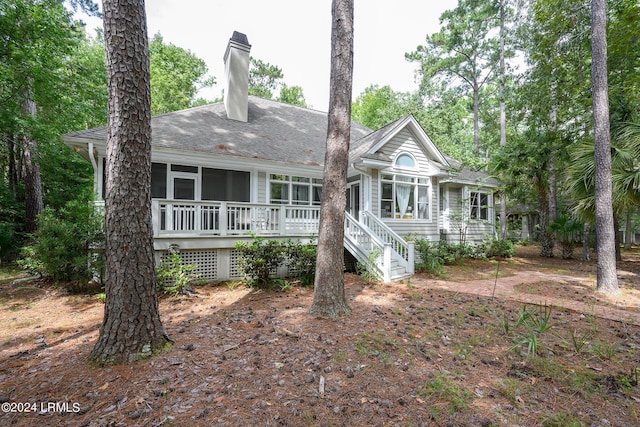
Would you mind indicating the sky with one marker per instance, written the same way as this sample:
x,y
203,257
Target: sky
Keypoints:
x,y
295,35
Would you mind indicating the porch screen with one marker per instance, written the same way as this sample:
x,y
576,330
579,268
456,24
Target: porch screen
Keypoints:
x,y
226,185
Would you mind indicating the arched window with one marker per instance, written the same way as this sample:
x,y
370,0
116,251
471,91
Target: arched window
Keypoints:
x,y
405,160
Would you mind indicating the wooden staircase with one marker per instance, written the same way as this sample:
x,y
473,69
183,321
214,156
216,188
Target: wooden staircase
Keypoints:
x,y
374,244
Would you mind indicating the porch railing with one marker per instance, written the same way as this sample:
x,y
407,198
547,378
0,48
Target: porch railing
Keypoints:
x,y
201,218
362,243
404,251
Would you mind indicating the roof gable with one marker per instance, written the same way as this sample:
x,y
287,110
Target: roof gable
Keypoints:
x,y
369,147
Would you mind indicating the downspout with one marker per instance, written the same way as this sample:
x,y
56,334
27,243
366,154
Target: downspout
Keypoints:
x,y
94,163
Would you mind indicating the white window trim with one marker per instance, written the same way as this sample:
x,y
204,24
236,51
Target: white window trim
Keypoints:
x,y
489,206
171,175
395,174
290,182
398,167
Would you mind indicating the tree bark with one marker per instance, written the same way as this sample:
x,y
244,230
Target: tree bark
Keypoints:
x,y
586,231
329,299
618,243
607,280
628,230
131,328
476,117
544,237
503,123
31,169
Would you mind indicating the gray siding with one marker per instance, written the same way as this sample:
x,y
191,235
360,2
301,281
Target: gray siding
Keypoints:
x,y
262,187
476,230
375,192
404,141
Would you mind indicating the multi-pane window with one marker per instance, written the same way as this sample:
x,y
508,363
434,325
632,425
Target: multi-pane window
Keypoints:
x,y
295,190
479,205
404,197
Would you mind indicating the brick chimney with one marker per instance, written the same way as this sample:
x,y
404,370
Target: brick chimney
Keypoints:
x,y
236,70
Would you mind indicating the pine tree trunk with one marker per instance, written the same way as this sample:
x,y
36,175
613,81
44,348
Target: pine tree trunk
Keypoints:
x,y
607,280
544,237
503,123
586,231
476,117
31,170
131,328
329,299
618,242
628,230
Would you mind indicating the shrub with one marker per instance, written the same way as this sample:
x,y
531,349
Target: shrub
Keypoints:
x,y
433,255
367,269
500,247
7,238
11,218
430,258
65,246
259,259
301,259
174,277
568,232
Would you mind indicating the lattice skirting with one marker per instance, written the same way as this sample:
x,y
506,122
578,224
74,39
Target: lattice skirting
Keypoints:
x,y
211,264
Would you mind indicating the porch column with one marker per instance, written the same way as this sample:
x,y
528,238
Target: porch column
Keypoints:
x,y
224,219
386,263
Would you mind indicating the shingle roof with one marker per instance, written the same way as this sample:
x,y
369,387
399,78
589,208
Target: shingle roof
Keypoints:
x,y
360,147
275,131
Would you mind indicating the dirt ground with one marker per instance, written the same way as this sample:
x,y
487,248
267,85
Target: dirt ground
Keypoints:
x,y
443,350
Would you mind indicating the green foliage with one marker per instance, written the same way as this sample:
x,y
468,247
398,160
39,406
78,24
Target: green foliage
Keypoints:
x,y
10,219
378,106
461,56
67,245
176,76
568,231
301,259
562,419
292,95
260,259
264,78
534,323
578,341
430,258
433,255
7,238
175,277
442,387
499,248
367,269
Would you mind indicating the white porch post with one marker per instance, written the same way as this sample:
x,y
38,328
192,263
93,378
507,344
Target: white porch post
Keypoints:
x,y
224,219
169,215
386,263
282,225
155,217
411,268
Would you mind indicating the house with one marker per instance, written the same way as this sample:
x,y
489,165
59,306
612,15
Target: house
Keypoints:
x,y
251,165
